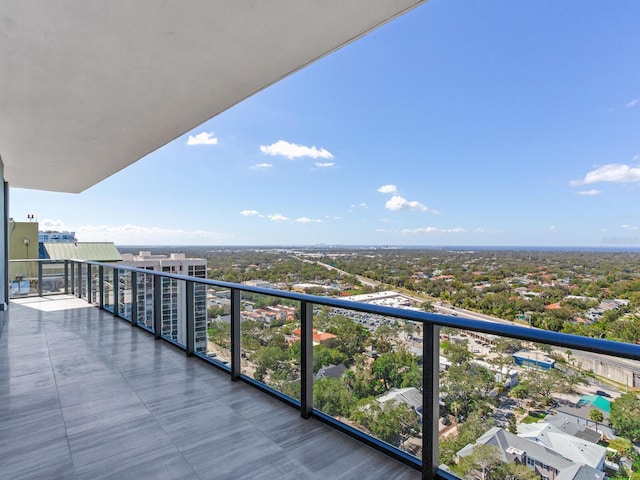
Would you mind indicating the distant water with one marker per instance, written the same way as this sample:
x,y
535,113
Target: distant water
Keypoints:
x,y
456,248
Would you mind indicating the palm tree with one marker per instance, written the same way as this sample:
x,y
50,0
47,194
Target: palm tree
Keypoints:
x,y
596,415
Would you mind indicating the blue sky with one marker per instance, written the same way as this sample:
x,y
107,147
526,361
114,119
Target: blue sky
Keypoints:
x,y
461,123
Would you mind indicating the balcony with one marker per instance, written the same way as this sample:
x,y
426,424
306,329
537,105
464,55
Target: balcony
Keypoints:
x,y
84,395
94,383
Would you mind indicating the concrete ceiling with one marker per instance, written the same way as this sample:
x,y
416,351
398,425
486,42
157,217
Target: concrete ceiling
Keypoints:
x,y
88,87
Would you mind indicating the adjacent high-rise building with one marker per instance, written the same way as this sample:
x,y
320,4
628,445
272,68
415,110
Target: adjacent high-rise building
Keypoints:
x,y
173,294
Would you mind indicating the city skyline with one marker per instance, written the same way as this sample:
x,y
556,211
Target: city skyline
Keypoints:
x,y
456,124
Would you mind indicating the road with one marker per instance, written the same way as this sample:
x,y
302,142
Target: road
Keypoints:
x,y
455,311
367,282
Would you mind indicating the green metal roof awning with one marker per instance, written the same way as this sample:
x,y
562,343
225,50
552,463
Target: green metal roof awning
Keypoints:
x,y
96,251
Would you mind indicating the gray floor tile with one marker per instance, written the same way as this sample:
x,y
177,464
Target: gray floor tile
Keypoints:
x,y
84,395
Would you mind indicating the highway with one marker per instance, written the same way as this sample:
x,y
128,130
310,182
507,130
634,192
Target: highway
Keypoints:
x,y
455,311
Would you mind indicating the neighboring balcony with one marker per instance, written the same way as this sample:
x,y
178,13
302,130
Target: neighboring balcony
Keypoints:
x,y
85,395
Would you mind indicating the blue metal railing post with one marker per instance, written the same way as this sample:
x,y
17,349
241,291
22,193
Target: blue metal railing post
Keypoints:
x,y
88,283
79,280
101,289
116,292
430,399
157,306
235,334
190,318
39,269
306,360
66,277
134,299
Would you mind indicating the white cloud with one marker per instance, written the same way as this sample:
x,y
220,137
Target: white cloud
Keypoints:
x,y
398,203
262,165
415,231
277,217
613,172
632,103
307,220
324,165
591,192
388,189
636,157
51,224
249,213
629,227
552,228
291,150
136,234
204,138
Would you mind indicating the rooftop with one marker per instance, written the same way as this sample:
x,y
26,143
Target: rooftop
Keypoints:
x,y
97,251
85,395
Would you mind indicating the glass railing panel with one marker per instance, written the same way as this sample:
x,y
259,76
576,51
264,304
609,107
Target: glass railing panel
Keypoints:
x,y
532,399
23,278
108,289
94,275
84,272
270,349
174,311
368,374
124,294
53,280
73,278
216,344
200,317
144,300
595,396
476,373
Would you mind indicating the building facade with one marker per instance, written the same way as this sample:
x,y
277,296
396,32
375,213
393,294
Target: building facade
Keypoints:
x,y
51,236
174,303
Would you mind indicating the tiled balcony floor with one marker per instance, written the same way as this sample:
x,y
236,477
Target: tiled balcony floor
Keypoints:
x,y
85,395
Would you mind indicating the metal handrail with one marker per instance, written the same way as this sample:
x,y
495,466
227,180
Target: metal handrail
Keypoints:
x,y
565,340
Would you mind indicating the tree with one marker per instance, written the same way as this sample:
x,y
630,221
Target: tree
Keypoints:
x,y
485,463
333,397
361,379
468,386
621,445
268,359
519,392
382,338
596,415
391,423
625,416
457,353
392,368
325,356
512,425
480,463
351,336
542,384
468,432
